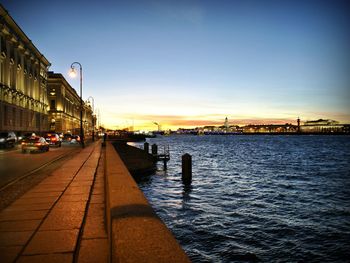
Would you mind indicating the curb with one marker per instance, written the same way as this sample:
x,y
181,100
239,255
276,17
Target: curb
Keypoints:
x,y
136,233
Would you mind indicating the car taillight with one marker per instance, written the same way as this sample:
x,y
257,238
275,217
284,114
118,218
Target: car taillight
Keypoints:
x,y
53,139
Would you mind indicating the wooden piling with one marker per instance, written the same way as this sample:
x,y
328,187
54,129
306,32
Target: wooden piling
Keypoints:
x,y
165,167
154,149
146,147
186,169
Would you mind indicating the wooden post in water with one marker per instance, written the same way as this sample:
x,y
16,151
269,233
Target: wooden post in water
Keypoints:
x,y
165,167
154,149
186,169
146,147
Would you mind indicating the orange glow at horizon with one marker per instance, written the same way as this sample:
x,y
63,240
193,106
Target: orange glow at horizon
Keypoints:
x,y
173,122
176,123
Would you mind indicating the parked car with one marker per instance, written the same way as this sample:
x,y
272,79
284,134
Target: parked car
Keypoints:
x,y
24,136
35,143
75,139
53,139
8,139
67,137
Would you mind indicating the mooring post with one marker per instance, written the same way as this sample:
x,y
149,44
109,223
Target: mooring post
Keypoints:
x,y
154,149
165,164
146,147
186,168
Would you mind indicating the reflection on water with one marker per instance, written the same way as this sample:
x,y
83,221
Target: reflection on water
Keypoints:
x,y
267,198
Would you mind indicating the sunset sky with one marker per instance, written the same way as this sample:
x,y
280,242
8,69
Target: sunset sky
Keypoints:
x,y
192,63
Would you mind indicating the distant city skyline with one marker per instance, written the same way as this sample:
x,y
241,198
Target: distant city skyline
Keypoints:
x,y
193,63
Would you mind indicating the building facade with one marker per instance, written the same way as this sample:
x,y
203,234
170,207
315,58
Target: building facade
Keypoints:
x,y
322,126
23,80
64,107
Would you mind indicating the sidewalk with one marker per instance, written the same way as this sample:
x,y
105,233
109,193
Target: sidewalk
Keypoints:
x,y
62,219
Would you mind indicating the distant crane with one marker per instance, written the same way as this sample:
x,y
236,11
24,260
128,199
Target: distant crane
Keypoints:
x,y
159,126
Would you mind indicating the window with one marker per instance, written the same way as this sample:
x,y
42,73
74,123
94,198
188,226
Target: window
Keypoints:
x,y
21,118
3,45
52,104
6,117
13,121
37,120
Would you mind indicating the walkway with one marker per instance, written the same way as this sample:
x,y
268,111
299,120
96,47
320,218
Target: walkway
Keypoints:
x,y
62,219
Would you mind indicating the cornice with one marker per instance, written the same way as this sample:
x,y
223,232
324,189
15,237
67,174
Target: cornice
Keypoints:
x,y
8,26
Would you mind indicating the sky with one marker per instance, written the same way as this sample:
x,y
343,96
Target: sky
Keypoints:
x,y
193,63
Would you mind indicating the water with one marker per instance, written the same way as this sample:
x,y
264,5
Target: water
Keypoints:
x,y
257,198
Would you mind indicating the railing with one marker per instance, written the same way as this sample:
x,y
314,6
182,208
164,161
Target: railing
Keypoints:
x,y
162,149
166,151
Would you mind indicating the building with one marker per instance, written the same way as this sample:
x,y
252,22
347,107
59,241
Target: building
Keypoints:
x,y
23,80
270,128
323,126
64,107
226,124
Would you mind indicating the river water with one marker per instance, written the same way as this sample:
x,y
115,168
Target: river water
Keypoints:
x,y
257,198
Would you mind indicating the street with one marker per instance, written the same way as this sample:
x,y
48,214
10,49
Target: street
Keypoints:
x,y
14,164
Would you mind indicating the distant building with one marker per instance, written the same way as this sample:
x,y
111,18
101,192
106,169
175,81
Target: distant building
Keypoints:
x,y
322,126
226,124
318,126
64,108
270,128
23,80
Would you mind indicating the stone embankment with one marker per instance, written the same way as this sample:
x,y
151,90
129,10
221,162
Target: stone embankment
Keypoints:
x,y
137,233
138,162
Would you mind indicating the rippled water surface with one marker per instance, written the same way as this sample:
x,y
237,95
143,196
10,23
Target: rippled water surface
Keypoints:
x,y
263,198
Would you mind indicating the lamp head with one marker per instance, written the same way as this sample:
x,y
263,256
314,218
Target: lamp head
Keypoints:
x,y
72,72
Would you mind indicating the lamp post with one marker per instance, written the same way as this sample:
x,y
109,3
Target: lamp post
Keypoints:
x,y
98,120
93,120
73,74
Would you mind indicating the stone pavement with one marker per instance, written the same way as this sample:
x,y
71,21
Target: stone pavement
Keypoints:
x,y
62,219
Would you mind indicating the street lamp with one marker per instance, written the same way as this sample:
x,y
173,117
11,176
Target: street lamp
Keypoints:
x,y
93,120
73,73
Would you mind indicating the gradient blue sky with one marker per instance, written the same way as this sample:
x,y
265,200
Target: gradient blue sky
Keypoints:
x,y
189,63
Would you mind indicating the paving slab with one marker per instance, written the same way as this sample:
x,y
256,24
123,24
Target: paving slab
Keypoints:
x,y
67,171
83,177
53,180
74,197
14,238
93,251
74,190
32,207
7,215
87,171
94,228
9,254
48,258
36,200
16,226
98,190
97,199
41,195
80,183
70,206
96,210
48,242
47,188
63,220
